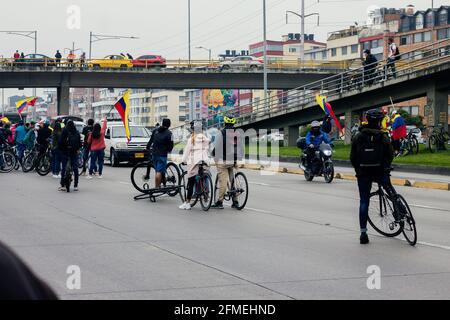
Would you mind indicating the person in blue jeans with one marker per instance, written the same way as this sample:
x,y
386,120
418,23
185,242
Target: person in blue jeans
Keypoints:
x,y
160,144
19,136
371,155
96,141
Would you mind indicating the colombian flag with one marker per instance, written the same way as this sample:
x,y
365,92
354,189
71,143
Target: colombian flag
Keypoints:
x,y
22,104
326,107
123,107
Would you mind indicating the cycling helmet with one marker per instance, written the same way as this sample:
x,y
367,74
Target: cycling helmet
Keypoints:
x,y
229,119
315,124
374,115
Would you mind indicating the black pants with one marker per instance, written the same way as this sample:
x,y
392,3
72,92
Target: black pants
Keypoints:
x,y
190,187
391,65
365,187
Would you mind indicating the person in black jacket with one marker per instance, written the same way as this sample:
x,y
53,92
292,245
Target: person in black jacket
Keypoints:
x,y
43,136
86,130
370,64
69,145
160,144
371,155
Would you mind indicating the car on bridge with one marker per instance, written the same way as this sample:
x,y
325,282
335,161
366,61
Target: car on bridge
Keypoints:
x,y
35,60
242,62
149,61
117,147
113,61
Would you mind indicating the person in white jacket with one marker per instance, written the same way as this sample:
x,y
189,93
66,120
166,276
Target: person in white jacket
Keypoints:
x,y
195,152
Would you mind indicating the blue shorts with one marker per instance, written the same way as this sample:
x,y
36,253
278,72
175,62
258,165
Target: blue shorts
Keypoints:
x,y
160,164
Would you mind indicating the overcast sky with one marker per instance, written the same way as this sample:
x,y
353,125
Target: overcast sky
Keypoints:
x,y
162,25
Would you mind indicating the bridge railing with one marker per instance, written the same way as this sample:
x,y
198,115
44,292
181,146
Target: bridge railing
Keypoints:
x,y
343,83
52,64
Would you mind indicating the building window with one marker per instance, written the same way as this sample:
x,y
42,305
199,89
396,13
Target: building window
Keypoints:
x,y
374,44
182,118
344,51
442,34
324,55
419,22
430,19
292,50
427,36
333,52
443,17
418,37
405,40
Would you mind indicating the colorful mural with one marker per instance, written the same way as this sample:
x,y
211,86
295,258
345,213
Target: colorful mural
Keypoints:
x,y
218,102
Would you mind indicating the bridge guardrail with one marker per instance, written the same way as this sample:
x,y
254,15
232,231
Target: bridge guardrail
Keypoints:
x,y
410,62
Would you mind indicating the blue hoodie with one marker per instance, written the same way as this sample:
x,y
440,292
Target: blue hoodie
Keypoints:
x,y
317,140
20,134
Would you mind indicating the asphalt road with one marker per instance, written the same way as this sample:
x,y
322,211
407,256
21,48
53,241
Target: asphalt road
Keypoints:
x,y
295,240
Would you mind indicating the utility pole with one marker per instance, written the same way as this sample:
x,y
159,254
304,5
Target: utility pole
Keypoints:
x,y
265,51
189,32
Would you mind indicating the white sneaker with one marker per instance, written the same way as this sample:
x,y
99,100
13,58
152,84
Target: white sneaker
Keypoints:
x,y
75,189
55,176
63,189
182,207
187,206
100,176
59,176
89,177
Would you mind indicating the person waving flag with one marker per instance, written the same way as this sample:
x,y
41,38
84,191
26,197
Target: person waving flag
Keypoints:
x,y
123,107
326,107
22,104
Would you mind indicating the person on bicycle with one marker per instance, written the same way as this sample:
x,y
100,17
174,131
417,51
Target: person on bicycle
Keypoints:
x,y
19,136
314,139
160,144
43,136
399,131
70,145
195,153
86,147
228,149
371,155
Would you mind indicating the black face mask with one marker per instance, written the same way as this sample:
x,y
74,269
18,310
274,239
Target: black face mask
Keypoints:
x,y
315,130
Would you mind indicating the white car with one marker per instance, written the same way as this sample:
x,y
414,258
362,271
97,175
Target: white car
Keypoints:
x,y
117,147
417,132
242,62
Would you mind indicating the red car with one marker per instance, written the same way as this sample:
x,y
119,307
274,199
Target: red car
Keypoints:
x,y
149,61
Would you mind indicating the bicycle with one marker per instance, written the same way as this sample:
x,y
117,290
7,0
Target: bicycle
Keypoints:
x,y
203,187
68,176
7,160
390,217
437,139
143,179
237,191
39,161
409,145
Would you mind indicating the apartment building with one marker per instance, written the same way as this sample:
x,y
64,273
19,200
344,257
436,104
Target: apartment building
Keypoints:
x,y
141,110
169,104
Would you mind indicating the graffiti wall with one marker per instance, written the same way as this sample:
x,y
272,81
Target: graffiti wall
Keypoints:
x,y
216,103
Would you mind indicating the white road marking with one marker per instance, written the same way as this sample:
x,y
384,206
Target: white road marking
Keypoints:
x,y
127,183
260,184
427,207
433,245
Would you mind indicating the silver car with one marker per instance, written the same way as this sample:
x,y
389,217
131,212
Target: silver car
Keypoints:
x,y
242,62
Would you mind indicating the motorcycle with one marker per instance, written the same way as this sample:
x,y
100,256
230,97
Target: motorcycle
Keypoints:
x,y
321,164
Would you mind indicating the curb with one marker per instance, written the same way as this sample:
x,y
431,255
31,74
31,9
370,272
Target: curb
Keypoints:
x,y
347,177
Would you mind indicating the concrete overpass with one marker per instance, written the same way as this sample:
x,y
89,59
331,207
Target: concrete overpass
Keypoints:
x,y
427,76
64,79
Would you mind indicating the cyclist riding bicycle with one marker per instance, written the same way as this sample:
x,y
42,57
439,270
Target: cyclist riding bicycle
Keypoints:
x,y
160,144
371,155
43,136
195,153
228,149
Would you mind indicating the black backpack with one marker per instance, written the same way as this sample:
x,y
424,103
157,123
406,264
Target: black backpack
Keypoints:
x,y
371,151
74,141
397,53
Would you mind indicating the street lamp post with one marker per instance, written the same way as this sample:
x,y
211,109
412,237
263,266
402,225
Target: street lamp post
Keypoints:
x,y
101,37
265,50
189,32
209,51
31,35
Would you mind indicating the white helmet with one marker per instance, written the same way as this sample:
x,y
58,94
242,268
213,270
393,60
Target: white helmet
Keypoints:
x,y
315,124
393,113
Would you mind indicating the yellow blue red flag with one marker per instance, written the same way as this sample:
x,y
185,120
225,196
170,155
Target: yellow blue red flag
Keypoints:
x,y
123,107
22,104
326,107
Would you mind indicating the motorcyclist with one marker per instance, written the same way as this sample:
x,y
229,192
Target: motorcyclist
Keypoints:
x,y
314,139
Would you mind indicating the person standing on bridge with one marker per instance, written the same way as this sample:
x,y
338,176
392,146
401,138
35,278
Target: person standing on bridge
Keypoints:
x,y
370,66
393,55
70,58
58,57
371,155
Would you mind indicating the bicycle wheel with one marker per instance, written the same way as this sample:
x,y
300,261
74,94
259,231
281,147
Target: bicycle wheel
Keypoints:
x,y
240,190
9,162
44,166
413,145
216,189
28,163
143,177
381,215
183,193
173,178
205,194
432,145
80,160
409,226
